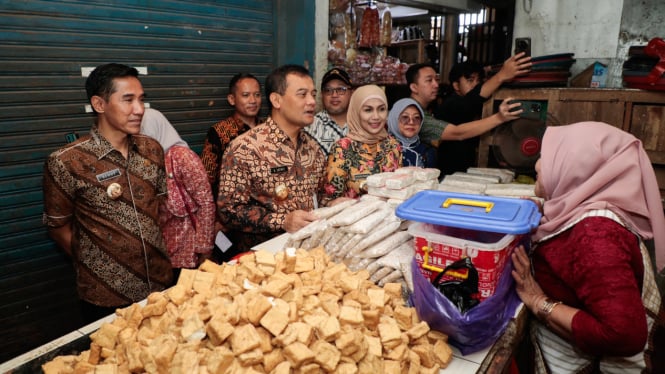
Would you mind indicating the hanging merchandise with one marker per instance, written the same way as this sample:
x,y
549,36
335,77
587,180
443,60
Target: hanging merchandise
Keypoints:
x,y
369,29
386,27
349,29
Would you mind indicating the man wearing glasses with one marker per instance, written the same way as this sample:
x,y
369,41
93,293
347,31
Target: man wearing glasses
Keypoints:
x,y
330,124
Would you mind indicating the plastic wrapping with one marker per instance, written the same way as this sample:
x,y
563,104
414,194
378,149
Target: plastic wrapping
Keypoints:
x,y
369,29
471,331
386,27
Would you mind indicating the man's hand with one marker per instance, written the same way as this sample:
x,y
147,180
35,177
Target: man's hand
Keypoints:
x,y
509,112
298,219
338,200
514,66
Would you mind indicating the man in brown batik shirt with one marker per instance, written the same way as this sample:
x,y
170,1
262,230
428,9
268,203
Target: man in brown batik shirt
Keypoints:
x,y
245,96
270,176
101,198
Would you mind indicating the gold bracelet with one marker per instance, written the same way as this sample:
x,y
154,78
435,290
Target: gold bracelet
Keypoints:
x,y
546,308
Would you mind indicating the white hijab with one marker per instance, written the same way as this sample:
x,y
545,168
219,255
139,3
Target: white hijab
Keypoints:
x,y
155,125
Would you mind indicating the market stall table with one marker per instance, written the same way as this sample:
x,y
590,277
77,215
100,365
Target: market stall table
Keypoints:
x,y
493,359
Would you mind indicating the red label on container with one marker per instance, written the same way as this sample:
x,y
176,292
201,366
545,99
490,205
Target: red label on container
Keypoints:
x,y
488,263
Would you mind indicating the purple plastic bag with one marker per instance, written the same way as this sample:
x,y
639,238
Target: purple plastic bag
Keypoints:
x,y
480,326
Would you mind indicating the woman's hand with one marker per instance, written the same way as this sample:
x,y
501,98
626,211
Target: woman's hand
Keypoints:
x,y
525,284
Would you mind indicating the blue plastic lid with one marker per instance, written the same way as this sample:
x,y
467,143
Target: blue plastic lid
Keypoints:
x,y
475,212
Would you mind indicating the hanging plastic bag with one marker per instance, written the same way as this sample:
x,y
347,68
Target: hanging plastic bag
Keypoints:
x,y
461,290
369,29
386,28
480,326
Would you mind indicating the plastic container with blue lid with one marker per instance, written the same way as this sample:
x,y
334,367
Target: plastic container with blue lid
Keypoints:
x,y
475,212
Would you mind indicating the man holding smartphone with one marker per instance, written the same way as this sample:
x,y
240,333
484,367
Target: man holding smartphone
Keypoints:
x,y
469,91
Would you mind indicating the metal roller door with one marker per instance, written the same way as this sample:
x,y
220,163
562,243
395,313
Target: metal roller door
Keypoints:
x,y
190,49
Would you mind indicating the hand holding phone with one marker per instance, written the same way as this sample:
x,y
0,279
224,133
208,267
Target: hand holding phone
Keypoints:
x,y
523,45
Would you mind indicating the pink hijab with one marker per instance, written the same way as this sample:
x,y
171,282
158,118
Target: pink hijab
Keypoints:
x,y
360,97
592,165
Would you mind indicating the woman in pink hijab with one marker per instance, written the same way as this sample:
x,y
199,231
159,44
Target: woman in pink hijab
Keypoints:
x,y
591,285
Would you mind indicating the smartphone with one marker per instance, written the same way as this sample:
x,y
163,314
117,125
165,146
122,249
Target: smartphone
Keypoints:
x,y
523,45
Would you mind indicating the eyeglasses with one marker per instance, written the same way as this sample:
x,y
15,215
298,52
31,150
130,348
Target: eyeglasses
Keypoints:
x,y
406,119
341,91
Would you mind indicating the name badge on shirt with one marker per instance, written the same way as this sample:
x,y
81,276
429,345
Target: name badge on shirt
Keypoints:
x,y
108,175
278,169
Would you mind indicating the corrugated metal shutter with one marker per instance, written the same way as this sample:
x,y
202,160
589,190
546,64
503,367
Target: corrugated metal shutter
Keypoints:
x,y
190,49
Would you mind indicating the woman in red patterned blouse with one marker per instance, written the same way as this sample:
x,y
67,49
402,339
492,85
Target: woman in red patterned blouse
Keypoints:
x,y
187,218
592,285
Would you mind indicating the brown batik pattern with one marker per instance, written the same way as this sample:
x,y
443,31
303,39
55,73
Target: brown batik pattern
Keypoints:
x,y
219,136
107,249
255,164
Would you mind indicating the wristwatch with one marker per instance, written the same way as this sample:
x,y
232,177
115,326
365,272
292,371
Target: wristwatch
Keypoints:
x,y
546,307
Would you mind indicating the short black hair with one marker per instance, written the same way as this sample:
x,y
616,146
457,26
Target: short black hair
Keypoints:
x,y
413,71
237,78
100,82
276,80
466,69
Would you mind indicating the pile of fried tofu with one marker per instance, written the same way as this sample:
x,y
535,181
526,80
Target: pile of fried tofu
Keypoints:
x,y
290,312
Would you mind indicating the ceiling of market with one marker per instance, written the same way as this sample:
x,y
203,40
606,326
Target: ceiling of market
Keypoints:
x,y
439,6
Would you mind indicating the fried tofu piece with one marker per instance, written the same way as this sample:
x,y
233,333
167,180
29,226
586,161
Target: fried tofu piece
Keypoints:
x,y
418,330
272,359
266,339
257,306
263,257
348,283
394,290
204,282
351,315
218,330
186,278
155,306
193,329
347,343
304,264
251,357
346,368
245,338
282,368
106,336
184,362
392,367
371,318
275,321
426,354
443,354
210,267
389,332
370,364
298,354
377,297
326,355
403,316
219,360
328,329
276,287
311,368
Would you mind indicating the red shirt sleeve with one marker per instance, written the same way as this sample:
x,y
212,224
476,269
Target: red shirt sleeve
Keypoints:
x,y
596,266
